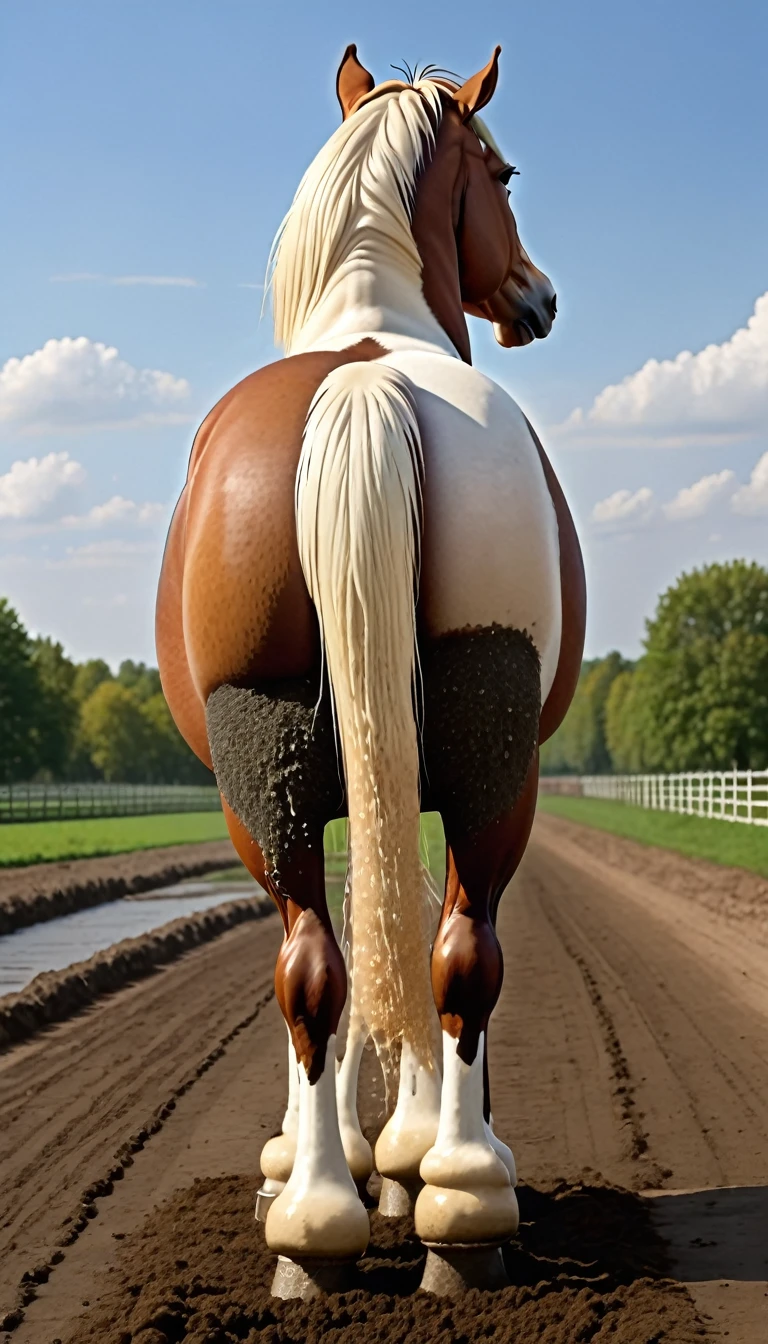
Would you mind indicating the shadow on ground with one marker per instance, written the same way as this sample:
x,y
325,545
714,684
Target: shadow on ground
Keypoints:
x,y
715,1234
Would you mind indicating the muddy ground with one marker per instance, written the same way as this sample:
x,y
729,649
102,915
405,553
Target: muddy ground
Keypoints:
x,y
41,891
628,1065
54,996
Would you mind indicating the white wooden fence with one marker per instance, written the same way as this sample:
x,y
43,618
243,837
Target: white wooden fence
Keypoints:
x,y
728,795
50,802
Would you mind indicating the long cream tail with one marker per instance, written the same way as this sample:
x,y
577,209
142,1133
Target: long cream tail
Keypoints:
x,y
358,520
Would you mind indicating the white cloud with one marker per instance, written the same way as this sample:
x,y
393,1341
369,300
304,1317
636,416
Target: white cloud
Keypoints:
x,y
31,488
694,500
105,555
117,510
80,277
753,498
625,506
78,383
720,392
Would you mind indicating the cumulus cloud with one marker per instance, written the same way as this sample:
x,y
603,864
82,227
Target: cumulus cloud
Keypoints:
x,y
80,277
722,391
753,498
625,506
694,500
32,488
77,383
117,510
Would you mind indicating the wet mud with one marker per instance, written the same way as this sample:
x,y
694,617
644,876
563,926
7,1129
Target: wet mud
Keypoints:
x,y
56,995
586,1266
42,891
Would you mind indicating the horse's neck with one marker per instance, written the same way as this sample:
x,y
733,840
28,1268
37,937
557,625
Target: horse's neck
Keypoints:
x,y
368,298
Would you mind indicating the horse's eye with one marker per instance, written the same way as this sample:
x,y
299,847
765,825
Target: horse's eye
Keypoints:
x,y
506,173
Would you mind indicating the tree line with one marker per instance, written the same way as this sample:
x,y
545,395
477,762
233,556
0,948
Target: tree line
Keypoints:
x,y
61,720
697,698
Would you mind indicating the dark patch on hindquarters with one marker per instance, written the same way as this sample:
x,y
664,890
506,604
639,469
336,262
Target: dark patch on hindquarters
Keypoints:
x,y
276,763
482,700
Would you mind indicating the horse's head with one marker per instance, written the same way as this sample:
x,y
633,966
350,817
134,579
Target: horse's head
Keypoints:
x,y
462,221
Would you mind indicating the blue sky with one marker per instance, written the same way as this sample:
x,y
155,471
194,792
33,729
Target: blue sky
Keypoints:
x,y
155,148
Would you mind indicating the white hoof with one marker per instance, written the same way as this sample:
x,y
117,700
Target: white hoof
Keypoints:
x,y
488,1213
322,1218
319,1213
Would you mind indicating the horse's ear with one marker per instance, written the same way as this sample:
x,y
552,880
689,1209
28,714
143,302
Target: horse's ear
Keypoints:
x,y
353,81
478,90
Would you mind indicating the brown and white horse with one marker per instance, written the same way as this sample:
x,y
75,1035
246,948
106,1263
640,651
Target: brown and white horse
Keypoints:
x,y
372,603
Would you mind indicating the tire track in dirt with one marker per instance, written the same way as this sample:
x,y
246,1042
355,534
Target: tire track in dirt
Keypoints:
x,y
649,1172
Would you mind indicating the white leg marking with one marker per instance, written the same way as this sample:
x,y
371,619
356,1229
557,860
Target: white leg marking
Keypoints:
x,y
278,1154
468,1195
319,1212
412,1128
501,1150
357,1149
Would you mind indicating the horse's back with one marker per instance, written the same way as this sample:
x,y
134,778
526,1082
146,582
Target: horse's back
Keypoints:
x,y
490,548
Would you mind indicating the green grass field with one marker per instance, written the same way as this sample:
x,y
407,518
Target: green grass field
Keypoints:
x,y
45,841
730,843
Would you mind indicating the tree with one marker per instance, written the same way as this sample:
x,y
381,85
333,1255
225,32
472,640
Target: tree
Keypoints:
x,y
137,677
57,716
19,699
88,676
170,760
579,745
116,733
699,699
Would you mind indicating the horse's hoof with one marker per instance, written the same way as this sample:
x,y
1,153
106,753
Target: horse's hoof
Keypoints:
x,y
452,1270
308,1278
264,1197
398,1198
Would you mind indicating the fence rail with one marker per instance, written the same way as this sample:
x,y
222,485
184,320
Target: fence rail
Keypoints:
x,y
725,795
53,802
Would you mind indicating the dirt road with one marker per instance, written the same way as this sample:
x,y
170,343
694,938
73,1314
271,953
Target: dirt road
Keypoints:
x,y
628,1053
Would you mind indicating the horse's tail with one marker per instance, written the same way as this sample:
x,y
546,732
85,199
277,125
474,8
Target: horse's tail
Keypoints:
x,y
358,521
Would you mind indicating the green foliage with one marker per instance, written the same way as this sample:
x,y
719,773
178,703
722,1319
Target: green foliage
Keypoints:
x,y
579,746
699,697
57,709
60,720
142,680
88,676
19,699
116,733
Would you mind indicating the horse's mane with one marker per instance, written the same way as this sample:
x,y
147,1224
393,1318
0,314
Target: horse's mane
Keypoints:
x,y
355,203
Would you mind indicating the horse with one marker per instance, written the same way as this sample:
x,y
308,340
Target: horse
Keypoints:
x,y
371,605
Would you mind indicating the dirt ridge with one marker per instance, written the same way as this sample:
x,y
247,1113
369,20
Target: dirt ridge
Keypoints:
x,y
41,891
53,996
102,1187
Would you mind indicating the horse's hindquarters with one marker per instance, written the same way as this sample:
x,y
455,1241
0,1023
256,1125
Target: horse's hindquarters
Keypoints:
x,y
490,544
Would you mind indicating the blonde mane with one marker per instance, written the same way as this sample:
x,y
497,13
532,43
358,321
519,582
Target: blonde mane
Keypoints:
x,y
354,204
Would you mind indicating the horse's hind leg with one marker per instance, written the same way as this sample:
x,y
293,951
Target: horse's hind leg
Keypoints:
x,y
481,723
275,763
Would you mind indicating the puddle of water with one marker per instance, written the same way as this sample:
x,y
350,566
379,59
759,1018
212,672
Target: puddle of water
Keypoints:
x,y
59,942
